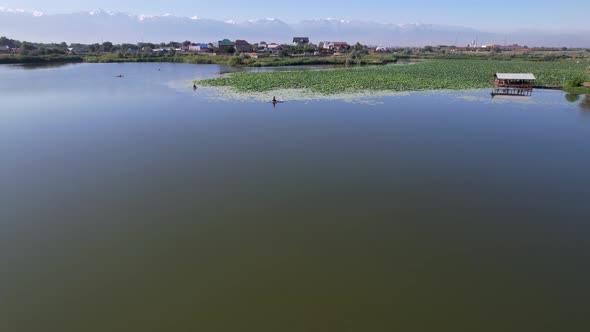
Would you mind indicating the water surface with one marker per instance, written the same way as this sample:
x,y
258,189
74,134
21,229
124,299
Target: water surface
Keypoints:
x,y
138,204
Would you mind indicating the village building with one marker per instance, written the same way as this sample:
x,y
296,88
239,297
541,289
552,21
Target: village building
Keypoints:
x,y
338,46
242,46
274,49
199,47
252,55
5,50
163,50
226,46
82,49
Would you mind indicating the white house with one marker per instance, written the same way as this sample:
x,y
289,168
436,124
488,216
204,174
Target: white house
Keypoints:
x,y
274,48
325,45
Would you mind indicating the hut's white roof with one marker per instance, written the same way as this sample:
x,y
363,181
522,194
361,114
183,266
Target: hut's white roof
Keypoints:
x,y
525,77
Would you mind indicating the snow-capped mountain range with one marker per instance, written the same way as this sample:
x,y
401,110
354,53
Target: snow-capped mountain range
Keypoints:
x,y
102,25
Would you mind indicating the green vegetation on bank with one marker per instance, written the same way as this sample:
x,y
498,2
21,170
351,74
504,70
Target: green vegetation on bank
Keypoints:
x,y
580,90
374,59
575,85
428,75
194,59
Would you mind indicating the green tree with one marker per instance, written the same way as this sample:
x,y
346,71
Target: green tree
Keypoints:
x,y
107,46
575,82
25,48
308,48
235,61
94,47
9,42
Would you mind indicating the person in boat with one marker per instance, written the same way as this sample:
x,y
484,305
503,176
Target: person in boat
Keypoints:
x,y
194,86
274,99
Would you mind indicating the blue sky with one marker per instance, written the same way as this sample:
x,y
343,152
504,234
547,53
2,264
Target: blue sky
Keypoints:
x,y
499,15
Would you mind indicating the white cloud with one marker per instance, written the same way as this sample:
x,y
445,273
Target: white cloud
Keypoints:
x,y
21,11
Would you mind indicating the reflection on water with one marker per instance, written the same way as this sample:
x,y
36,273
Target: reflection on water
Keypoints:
x,y
571,97
511,92
585,103
132,204
37,66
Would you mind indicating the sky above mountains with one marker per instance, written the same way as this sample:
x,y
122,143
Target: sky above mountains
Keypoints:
x,y
118,25
496,16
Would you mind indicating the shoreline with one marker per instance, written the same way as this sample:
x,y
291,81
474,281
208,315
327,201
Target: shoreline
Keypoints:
x,y
226,60
298,61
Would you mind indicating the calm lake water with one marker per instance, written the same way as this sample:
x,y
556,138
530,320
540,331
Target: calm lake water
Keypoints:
x,y
136,204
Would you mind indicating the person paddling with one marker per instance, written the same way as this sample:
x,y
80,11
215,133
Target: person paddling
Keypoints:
x,y
194,86
274,99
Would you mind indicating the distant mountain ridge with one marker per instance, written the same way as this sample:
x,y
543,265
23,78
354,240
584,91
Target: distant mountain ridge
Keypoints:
x,y
117,27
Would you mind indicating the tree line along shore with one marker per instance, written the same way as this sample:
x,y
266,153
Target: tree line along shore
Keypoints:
x,y
14,51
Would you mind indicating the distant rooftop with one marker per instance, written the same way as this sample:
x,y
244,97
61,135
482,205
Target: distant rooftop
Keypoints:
x,y
226,42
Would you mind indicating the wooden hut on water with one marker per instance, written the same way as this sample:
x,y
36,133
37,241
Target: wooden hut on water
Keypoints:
x,y
515,81
514,85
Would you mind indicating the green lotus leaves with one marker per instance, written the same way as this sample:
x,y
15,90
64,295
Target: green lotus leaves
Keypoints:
x,y
427,75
